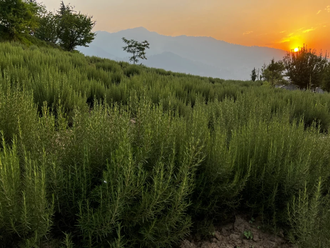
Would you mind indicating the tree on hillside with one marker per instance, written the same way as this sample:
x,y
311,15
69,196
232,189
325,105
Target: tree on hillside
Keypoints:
x,y
74,29
253,75
325,85
304,68
66,28
274,73
63,9
18,18
48,27
137,49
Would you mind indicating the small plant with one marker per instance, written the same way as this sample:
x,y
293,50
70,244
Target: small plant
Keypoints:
x,y
252,220
136,48
248,234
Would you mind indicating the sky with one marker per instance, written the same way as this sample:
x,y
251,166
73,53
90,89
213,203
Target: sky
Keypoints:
x,y
283,24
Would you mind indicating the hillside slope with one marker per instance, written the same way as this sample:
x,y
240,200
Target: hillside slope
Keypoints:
x,y
97,153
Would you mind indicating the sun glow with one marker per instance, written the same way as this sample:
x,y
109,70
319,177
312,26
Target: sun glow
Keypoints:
x,y
296,49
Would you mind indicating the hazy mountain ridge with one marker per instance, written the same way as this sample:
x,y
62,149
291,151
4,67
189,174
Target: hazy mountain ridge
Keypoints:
x,y
203,56
171,62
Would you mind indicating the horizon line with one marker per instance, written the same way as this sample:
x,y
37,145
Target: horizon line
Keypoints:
x,y
189,36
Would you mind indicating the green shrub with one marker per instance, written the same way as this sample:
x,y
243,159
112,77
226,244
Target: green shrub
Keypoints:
x,y
109,66
163,72
25,211
132,70
18,114
116,77
308,216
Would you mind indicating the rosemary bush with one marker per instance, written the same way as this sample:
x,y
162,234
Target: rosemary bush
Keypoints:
x,y
25,211
97,153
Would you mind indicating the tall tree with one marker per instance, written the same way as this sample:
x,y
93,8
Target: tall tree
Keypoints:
x,y
253,75
274,72
48,28
137,49
63,9
325,85
305,68
17,18
74,29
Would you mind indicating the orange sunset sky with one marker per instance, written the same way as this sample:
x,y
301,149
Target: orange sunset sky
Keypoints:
x,y
283,24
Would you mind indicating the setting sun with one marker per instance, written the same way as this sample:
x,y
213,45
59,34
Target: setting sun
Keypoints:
x,y
296,49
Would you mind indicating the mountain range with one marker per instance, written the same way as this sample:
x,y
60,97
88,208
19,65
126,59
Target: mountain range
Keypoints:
x,y
204,56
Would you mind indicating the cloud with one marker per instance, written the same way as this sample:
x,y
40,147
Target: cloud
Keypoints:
x,y
282,31
319,12
288,38
327,8
247,32
308,30
285,40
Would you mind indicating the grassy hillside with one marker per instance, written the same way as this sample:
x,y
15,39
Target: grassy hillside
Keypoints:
x,y
97,153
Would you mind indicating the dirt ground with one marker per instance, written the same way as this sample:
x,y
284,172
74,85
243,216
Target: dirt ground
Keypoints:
x,y
242,233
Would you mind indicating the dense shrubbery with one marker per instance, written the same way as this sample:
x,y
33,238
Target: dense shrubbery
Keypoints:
x,y
94,156
30,23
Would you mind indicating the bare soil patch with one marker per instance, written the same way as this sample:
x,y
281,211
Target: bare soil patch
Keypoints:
x,y
242,233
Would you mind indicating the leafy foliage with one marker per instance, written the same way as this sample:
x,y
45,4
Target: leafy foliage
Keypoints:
x,y
325,85
273,72
304,68
17,17
30,23
74,29
136,48
253,75
48,28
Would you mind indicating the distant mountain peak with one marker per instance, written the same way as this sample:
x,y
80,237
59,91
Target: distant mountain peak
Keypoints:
x,y
136,29
141,28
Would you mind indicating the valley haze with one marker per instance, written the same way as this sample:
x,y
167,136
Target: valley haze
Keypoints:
x,y
203,56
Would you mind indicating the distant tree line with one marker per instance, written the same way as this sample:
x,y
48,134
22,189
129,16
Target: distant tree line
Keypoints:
x,y
66,27
305,68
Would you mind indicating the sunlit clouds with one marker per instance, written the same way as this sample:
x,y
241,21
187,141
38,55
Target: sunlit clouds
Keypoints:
x,y
247,32
308,30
